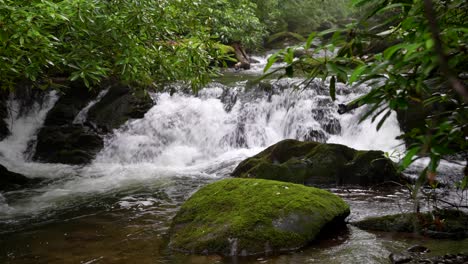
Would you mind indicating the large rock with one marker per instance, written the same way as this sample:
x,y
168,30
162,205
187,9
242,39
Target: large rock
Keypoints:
x,y
313,163
4,130
62,141
68,144
250,217
11,181
438,224
120,104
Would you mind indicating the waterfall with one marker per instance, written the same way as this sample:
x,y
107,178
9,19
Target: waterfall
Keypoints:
x,y
184,139
183,130
24,127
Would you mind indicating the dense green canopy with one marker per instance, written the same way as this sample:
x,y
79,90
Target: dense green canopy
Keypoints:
x,y
149,41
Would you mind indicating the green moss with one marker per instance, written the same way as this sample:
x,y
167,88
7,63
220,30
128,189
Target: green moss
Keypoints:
x,y
224,49
261,215
437,224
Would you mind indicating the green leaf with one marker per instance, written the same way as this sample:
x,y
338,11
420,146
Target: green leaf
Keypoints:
x,y
408,159
357,73
272,59
388,53
382,121
309,40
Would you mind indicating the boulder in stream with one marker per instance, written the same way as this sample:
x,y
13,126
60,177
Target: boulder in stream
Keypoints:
x,y
120,104
61,140
11,180
241,217
314,163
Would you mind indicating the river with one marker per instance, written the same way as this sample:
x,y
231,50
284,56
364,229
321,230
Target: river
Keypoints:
x,y
118,208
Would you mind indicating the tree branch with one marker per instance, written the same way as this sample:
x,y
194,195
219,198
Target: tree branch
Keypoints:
x,y
456,84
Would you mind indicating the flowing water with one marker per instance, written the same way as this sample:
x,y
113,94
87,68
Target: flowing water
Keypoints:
x,y
118,208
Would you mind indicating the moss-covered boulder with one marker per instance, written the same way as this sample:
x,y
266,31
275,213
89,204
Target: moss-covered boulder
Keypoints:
x,y
314,163
437,224
251,217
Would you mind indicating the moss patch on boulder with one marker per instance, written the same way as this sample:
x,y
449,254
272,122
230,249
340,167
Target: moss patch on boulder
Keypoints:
x,y
437,224
252,217
313,163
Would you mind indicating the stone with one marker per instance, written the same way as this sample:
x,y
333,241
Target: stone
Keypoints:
x,y
313,163
241,217
120,104
440,224
10,181
68,144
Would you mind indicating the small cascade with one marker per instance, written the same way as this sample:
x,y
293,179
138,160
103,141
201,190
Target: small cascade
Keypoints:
x,y
83,114
182,130
23,126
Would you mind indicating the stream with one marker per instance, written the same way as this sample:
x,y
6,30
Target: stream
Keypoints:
x,y
118,208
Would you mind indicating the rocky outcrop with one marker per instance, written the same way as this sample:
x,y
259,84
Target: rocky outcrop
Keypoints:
x,y
60,140
4,130
440,224
244,217
119,105
68,144
314,163
11,181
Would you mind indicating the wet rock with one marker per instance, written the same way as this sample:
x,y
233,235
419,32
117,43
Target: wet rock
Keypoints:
x,y
11,180
4,130
400,258
418,249
314,163
418,258
119,105
316,135
62,141
451,223
74,98
332,126
240,217
68,144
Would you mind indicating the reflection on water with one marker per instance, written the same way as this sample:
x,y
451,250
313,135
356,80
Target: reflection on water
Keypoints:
x,y
130,226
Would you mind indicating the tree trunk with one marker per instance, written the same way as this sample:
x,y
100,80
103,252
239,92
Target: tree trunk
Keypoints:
x,y
242,58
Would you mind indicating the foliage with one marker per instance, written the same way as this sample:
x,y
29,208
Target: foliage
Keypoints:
x,y
300,16
136,41
233,21
423,61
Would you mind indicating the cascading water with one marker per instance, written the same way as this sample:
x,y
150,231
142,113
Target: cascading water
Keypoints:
x,y
150,165
197,137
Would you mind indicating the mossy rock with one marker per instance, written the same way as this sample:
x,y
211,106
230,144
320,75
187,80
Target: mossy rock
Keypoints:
x,y
314,163
437,224
253,217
